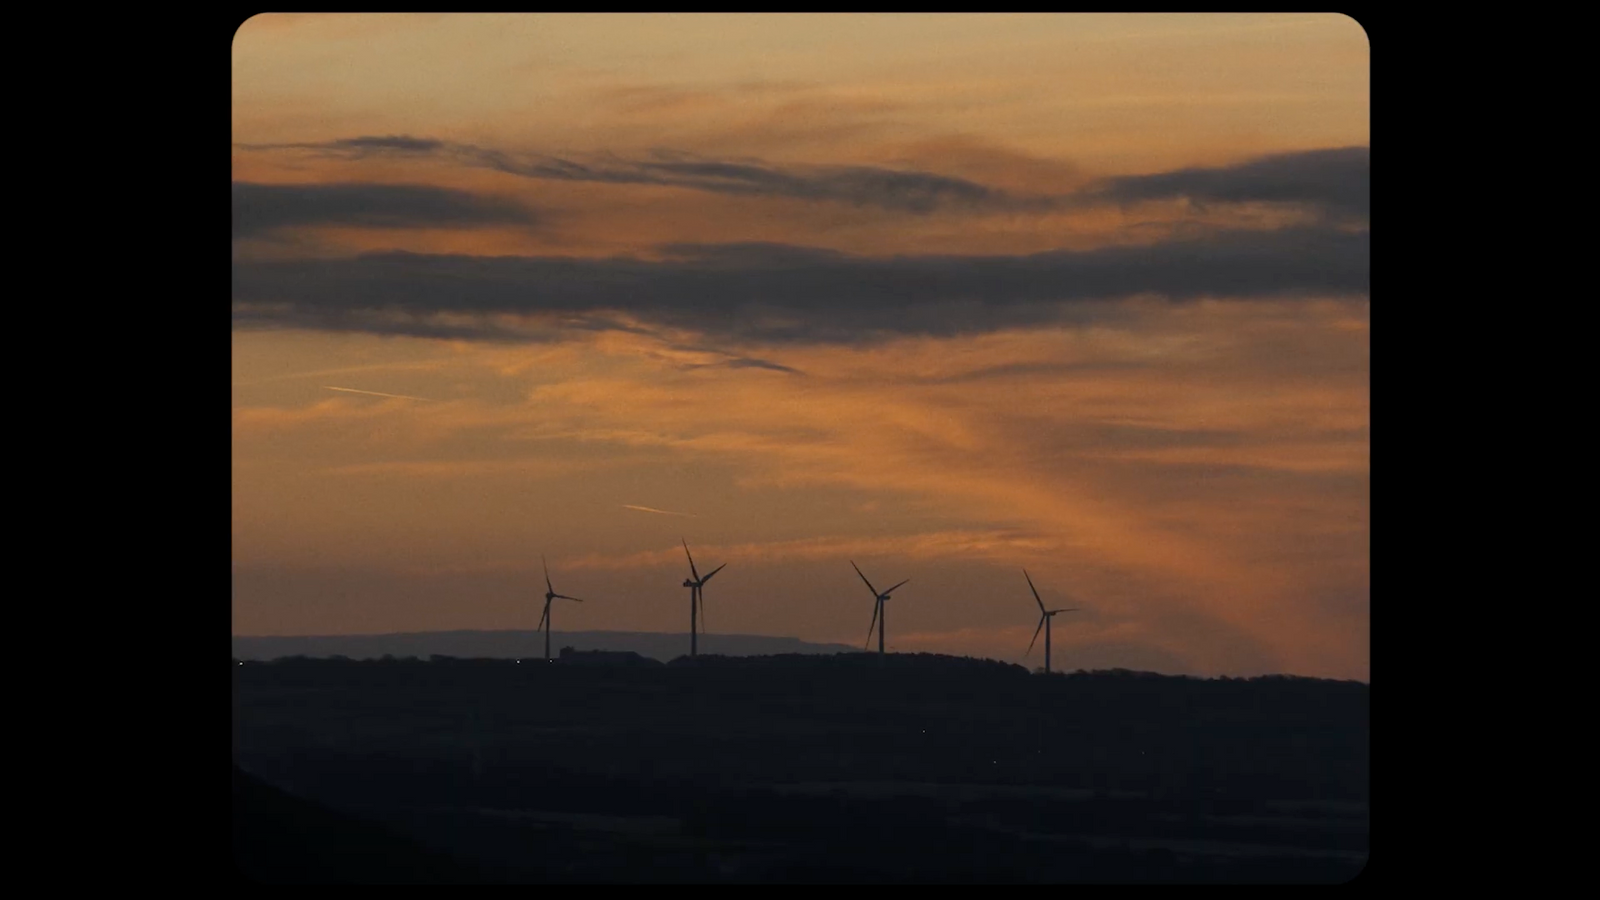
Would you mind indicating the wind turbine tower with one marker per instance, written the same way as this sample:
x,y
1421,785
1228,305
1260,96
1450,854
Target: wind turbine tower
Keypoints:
x,y
549,595
1044,622
697,597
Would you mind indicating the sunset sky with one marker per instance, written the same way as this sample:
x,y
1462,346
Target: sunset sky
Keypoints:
x,y
947,295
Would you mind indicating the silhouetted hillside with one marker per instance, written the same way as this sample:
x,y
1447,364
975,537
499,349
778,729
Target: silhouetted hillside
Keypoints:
x,y
280,839
515,644
856,767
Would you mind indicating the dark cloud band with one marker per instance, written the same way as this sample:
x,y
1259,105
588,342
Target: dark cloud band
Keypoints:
x,y
1338,182
1333,181
892,189
264,208
782,293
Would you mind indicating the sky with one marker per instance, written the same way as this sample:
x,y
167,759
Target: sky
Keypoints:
x,y
948,296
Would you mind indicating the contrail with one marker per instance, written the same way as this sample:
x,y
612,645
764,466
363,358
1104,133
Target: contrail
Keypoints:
x,y
375,393
659,511
345,370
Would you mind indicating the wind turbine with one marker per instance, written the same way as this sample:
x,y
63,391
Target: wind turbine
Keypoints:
x,y
877,607
549,595
696,586
1044,622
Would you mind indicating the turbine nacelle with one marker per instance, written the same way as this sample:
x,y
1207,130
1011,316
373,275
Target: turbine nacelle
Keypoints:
x,y
550,596
695,580
878,599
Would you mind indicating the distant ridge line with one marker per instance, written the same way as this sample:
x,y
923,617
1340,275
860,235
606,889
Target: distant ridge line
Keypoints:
x,y
517,644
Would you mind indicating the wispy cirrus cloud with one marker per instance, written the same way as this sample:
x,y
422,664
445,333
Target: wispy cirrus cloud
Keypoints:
x,y
937,545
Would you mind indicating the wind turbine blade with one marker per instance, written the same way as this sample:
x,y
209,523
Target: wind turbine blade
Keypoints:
x,y
869,585
1054,611
703,609
1034,589
713,572
565,597
891,590
1035,635
691,560
543,617
547,585
874,619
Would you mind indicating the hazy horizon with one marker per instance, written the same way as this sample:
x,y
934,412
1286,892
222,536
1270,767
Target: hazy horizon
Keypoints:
x,y
667,645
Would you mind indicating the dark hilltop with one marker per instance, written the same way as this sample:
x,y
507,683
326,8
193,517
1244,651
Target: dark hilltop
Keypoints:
x,y
855,768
